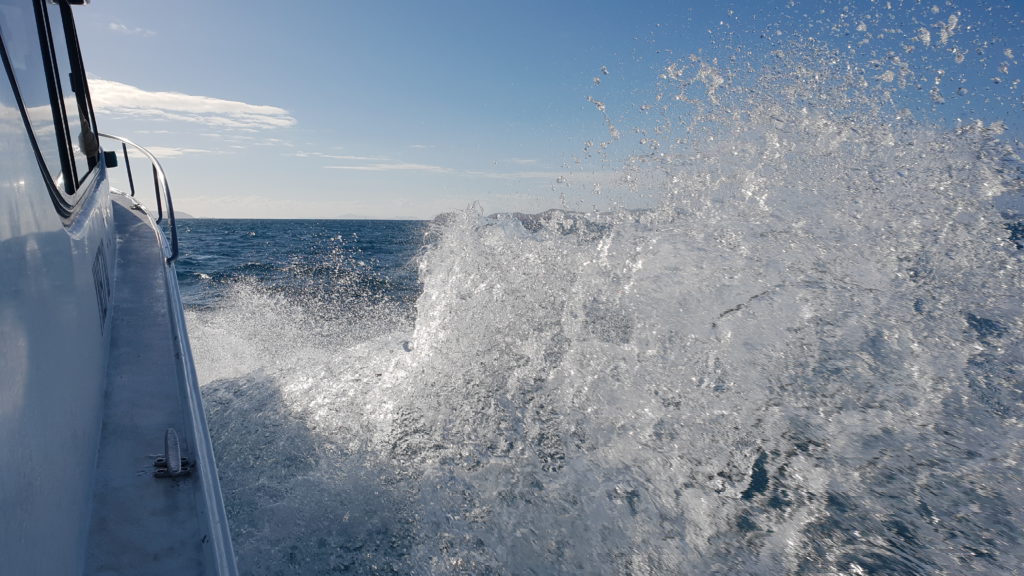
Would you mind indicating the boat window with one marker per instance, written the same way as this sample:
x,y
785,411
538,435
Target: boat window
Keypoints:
x,y
73,94
21,41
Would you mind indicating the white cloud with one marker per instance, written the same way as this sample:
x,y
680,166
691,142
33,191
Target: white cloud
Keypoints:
x,y
171,151
379,164
358,163
525,175
346,157
118,99
394,167
122,29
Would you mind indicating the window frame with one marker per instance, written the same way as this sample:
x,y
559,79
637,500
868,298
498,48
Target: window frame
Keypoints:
x,y
80,90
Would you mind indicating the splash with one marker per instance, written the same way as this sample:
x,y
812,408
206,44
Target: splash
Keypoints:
x,y
804,356
806,360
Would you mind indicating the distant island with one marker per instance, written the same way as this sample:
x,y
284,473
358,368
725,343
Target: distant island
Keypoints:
x,y
179,215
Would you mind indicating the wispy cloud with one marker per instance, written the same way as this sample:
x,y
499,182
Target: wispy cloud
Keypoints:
x,y
360,163
345,157
393,167
171,151
521,161
118,99
521,175
122,29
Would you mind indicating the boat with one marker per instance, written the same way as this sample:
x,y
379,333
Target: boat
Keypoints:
x,y
106,463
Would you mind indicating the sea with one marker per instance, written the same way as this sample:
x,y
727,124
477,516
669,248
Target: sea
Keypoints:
x,y
799,351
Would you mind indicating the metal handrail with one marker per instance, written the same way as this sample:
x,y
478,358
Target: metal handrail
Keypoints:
x,y
160,185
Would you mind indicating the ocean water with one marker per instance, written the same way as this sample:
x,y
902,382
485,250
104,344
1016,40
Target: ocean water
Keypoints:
x,y
800,352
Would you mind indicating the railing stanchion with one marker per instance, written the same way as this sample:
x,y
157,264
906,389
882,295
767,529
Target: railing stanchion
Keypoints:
x,y
160,186
128,167
159,205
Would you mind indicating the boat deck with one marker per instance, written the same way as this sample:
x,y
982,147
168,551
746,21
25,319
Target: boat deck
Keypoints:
x,y
141,523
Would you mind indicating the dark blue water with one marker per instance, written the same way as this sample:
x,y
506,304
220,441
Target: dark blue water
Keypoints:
x,y
343,260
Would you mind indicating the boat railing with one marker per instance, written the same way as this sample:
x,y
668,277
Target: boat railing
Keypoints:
x,y
160,187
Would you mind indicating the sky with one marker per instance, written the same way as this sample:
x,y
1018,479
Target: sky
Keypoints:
x,y
404,109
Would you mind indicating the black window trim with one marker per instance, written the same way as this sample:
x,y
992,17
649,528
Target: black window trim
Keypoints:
x,y
79,84
57,96
56,102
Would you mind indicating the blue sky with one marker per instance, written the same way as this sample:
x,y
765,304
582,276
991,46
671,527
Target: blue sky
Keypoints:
x,y
341,109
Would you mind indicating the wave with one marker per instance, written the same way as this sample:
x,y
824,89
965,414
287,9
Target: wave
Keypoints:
x,y
803,357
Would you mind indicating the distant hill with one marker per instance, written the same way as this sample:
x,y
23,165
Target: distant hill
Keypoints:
x,y
178,214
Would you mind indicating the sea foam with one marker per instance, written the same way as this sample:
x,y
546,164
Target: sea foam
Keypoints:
x,y
802,356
